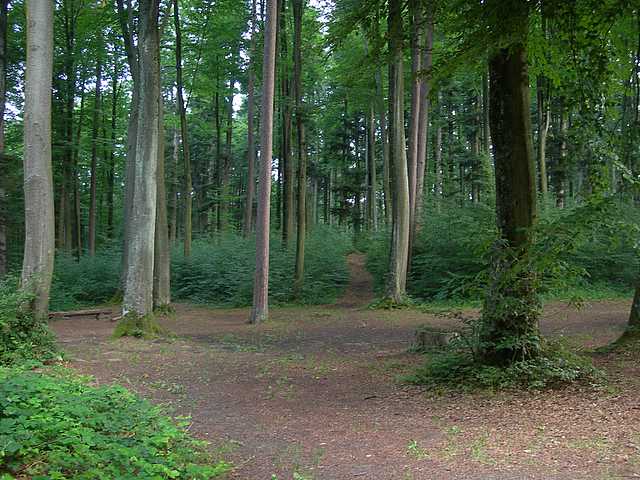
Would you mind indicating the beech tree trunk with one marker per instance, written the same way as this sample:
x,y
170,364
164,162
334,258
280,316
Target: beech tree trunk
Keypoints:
x,y
423,124
112,154
544,120
397,279
247,224
126,19
298,11
507,335
260,309
97,107
162,258
288,210
3,163
39,244
416,88
186,156
138,292
372,180
386,160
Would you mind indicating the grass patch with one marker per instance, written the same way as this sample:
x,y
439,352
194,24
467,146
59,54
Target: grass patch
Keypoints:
x,y
55,425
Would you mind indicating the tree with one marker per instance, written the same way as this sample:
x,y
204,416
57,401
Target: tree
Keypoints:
x,y
510,324
251,148
138,292
4,4
93,212
37,266
260,310
186,155
298,9
397,278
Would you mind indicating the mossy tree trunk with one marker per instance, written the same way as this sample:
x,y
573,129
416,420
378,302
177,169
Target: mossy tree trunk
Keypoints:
x,y
510,312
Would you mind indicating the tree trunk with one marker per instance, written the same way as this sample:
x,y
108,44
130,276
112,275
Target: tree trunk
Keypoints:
x,y
173,234
509,334
544,120
127,21
561,168
112,152
260,310
97,107
39,244
138,293
298,282
3,163
186,156
415,9
76,176
397,282
372,180
386,160
486,135
288,210
423,126
162,259
247,224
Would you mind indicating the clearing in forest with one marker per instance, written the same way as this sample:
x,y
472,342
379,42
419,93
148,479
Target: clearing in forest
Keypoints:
x,y
315,393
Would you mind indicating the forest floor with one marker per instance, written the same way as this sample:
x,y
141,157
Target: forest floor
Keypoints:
x,y
315,393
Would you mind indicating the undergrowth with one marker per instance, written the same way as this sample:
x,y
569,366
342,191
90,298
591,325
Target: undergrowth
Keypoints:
x,y
218,272
57,426
23,338
459,366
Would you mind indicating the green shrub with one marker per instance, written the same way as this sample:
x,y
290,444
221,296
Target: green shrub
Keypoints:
x,y
219,272
88,281
22,337
458,368
60,427
577,250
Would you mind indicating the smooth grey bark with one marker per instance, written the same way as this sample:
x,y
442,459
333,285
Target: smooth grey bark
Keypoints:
x,y
162,257
298,281
112,156
126,19
423,125
173,232
3,163
247,223
138,292
260,309
39,244
386,161
544,121
416,88
397,278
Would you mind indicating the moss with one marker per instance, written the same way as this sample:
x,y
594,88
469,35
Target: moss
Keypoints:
x,y
140,326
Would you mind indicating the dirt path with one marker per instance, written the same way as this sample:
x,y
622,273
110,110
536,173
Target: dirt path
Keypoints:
x,y
314,394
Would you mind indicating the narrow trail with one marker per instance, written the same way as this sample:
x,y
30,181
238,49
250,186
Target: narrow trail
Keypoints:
x,y
314,392
359,292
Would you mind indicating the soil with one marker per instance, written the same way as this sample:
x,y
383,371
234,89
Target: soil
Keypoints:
x,y
316,393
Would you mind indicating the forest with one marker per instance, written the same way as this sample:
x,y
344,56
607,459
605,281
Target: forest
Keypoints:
x,y
319,239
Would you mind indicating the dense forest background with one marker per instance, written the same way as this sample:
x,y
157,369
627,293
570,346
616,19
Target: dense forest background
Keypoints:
x,y
583,60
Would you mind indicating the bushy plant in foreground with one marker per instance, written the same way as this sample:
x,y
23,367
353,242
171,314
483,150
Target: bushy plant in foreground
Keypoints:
x,y
60,427
23,338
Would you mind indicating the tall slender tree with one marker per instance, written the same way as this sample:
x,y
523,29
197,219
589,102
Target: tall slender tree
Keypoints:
x,y
186,155
298,11
397,278
138,292
39,244
97,107
251,147
4,4
260,309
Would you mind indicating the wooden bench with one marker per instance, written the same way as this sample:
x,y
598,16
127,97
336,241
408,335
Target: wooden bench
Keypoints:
x,y
98,314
